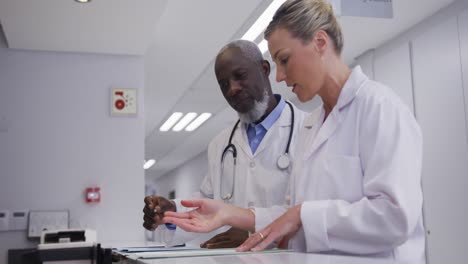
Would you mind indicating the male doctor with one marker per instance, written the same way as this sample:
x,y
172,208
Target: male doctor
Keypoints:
x,y
263,141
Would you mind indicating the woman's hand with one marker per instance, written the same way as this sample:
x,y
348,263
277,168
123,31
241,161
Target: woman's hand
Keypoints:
x,y
208,216
281,230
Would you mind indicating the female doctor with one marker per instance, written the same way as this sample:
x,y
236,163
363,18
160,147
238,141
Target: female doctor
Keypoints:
x,y
356,188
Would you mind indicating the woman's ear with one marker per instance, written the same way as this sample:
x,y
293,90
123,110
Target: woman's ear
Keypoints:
x,y
321,41
266,67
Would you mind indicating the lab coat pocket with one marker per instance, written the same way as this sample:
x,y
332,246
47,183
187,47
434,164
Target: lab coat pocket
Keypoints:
x,y
344,177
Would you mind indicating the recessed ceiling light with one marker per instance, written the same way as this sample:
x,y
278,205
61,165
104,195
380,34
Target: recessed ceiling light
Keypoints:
x,y
263,20
263,46
184,121
171,121
148,164
198,121
83,1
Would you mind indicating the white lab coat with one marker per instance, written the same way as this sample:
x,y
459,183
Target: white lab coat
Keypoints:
x,y
258,180
358,177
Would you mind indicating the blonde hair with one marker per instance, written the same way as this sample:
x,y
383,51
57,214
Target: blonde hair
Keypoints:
x,y
303,18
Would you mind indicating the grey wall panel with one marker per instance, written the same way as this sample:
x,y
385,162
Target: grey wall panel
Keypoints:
x,y
393,68
366,61
439,105
463,30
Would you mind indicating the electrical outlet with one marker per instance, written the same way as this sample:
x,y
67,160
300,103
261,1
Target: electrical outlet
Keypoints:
x,y
3,124
19,220
4,221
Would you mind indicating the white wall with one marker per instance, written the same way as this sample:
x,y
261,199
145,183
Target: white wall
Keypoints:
x,y
59,138
185,180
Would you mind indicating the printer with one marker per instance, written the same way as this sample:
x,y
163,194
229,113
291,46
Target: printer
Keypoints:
x,y
73,246
69,238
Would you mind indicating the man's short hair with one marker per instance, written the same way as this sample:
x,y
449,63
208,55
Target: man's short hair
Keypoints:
x,y
248,48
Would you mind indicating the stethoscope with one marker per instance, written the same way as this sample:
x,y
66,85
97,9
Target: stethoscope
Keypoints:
x,y
283,161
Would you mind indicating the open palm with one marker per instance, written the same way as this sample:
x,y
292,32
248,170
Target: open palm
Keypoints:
x,y
209,215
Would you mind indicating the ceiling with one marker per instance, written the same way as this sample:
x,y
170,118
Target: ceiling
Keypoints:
x,y
178,39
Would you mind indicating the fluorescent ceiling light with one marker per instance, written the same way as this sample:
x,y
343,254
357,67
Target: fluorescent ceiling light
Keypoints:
x,y
148,164
171,121
83,1
263,46
198,121
262,22
184,121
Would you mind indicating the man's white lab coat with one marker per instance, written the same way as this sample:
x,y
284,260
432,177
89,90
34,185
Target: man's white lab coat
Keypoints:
x,y
358,177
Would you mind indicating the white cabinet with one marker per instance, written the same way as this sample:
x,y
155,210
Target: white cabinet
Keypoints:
x,y
440,110
463,20
392,67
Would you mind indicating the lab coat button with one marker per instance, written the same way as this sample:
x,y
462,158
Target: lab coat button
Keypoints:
x,y
252,164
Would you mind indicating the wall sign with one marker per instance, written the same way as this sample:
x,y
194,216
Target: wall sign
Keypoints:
x,y
124,101
363,8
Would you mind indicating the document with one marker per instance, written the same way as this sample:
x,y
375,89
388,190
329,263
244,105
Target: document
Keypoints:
x,y
191,252
158,248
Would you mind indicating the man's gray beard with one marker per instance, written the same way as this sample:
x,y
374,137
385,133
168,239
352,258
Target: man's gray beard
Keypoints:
x,y
257,111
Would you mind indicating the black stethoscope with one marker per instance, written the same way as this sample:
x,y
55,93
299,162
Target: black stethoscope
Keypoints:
x,y
282,162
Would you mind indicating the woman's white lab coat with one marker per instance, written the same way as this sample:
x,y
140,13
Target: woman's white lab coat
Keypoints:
x,y
258,180
359,177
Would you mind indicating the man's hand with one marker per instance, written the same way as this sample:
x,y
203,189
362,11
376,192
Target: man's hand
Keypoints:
x,y
155,207
232,238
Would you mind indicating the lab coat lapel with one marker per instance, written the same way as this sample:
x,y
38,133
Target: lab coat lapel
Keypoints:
x,y
273,133
325,131
307,132
262,144
348,93
241,140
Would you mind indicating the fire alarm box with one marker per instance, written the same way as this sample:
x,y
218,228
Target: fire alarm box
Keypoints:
x,y
93,195
124,101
